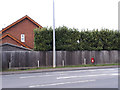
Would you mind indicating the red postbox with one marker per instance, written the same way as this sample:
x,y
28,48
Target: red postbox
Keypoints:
x,y
92,60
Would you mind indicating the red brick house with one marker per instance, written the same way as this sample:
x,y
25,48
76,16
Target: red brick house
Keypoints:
x,y
20,33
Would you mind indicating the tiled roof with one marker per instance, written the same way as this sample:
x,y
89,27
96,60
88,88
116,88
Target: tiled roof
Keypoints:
x,y
20,21
15,46
14,40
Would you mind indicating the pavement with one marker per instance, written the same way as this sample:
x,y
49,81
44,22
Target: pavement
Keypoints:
x,y
57,69
86,78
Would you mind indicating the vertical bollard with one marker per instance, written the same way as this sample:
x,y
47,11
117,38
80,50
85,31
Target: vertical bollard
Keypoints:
x,y
10,61
9,65
63,63
84,61
38,64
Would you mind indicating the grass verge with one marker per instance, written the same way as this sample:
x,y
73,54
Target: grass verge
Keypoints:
x,y
70,66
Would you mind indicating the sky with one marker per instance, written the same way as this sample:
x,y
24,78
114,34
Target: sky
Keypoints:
x,y
81,14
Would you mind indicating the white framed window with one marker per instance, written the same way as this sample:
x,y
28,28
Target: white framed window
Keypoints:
x,y
22,37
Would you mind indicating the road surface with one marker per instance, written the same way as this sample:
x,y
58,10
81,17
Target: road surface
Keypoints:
x,y
92,78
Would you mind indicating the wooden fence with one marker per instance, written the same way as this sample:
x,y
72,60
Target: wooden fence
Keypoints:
x,y
31,58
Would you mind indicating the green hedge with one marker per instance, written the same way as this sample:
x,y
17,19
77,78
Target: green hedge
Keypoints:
x,y
71,39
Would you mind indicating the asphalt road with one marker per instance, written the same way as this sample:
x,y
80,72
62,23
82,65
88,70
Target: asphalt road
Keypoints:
x,y
92,78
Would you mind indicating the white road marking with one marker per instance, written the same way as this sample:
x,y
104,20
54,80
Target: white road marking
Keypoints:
x,y
25,77
34,76
54,84
68,77
88,70
75,71
62,74
82,71
114,74
106,69
105,72
58,72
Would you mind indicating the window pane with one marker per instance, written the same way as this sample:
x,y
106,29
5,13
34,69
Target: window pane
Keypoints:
x,y
22,38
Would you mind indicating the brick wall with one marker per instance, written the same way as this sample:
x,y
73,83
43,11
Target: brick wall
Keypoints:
x,y
24,27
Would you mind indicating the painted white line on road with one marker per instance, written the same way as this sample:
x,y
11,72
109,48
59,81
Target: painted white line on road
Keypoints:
x,y
77,71
88,70
69,77
58,72
105,72
63,74
25,77
114,74
35,76
83,71
54,84
106,69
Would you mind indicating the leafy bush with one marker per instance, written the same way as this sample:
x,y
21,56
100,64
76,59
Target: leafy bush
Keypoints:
x,y
68,39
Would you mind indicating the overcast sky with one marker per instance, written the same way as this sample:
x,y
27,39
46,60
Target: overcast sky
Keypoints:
x,y
81,14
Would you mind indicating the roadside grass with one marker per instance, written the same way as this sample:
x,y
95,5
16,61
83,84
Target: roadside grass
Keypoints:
x,y
70,66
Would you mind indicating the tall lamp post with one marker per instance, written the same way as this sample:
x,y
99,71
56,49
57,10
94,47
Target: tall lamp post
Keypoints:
x,y
54,54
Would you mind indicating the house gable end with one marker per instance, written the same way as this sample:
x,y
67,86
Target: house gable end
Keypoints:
x,y
23,26
18,21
